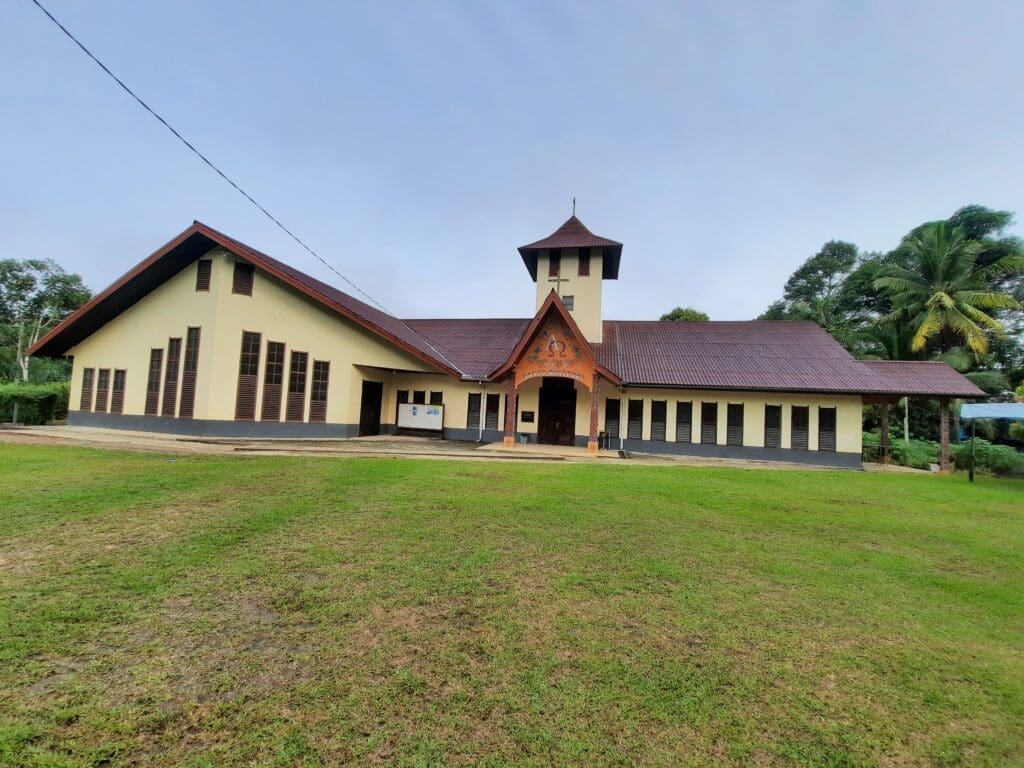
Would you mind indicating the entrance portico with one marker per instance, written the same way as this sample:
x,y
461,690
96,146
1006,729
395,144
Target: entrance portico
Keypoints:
x,y
554,351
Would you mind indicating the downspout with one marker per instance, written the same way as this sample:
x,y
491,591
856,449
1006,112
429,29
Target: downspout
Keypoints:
x,y
622,435
483,411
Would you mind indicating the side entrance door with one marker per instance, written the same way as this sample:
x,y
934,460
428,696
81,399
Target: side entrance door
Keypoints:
x,y
369,408
557,424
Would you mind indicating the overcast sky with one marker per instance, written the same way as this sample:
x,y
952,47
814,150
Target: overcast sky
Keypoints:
x,y
416,145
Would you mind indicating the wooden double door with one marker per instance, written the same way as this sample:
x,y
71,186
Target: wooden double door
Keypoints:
x,y
556,424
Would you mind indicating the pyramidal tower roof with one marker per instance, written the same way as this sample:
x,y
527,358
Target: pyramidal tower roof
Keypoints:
x,y
574,234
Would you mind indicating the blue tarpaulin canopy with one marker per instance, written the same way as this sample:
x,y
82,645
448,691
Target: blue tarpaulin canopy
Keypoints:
x,y
1013,411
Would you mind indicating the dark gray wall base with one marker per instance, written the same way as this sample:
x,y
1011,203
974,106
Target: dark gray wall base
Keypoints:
x,y
472,435
211,428
812,458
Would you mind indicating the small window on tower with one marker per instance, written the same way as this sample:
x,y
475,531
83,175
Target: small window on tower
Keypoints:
x,y
554,262
570,302
584,262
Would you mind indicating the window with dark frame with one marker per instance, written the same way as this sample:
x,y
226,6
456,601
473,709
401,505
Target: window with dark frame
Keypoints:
x,y
156,368
473,411
437,398
170,399
773,426
659,418
684,422
635,420
734,424
204,268
248,371
188,374
273,382
403,396
827,429
296,407
493,411
419,396
611,416
709,423
241,280
584,265
88,380
554,262
102,390
117,391
570,302
318,391
799,419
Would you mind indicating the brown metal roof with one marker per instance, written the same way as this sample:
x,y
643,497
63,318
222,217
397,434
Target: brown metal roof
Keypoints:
x,y
188,246
477,347
924,378
574,234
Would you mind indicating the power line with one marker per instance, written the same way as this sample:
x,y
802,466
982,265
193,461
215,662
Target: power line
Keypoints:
x,y
204,158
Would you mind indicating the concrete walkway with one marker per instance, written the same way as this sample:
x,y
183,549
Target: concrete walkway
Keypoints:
x,y
380,446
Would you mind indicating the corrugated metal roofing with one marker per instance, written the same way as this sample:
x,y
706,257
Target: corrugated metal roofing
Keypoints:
x,y
477,347
923,377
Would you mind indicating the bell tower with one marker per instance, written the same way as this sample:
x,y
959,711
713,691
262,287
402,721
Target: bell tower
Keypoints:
x,y
573,262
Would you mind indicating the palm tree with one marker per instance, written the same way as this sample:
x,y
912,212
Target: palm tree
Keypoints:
x,y
943,293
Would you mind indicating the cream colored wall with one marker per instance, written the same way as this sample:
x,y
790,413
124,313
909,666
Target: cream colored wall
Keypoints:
x,y
274,310
455,396
585,290
848,414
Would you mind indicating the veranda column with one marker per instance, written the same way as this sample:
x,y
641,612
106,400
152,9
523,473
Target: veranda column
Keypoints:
x,y
595,399
944,436
510,412
884,458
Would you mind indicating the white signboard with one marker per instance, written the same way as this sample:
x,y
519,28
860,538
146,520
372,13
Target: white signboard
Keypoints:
x,y
419,416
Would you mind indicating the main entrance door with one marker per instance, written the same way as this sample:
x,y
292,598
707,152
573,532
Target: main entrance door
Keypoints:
x,y
557,423
369,408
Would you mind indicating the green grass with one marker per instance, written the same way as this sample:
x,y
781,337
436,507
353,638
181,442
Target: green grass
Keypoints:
x,y
217,611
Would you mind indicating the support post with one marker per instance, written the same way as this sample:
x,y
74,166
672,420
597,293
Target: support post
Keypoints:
x,y
970,475
595,400
944,436
510,412
886,448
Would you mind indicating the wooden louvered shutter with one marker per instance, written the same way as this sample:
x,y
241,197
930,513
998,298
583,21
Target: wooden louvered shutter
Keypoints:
x,y
473,413
203,269
273,382
773,426
584,262
493,409
709,423
102,390
734,424
635,421
88,377
318,391
241,280
248,370
295,410
188,374
156,364
611,416
117,393
659,415
826,429
799,419
171,378
684,422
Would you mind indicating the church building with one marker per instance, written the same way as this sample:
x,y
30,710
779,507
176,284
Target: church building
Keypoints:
x,y
208,336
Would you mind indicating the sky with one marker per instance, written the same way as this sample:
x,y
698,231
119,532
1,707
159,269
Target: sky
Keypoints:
x,y
416,145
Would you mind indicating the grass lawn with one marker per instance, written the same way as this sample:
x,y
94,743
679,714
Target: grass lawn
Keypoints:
x,y
218,611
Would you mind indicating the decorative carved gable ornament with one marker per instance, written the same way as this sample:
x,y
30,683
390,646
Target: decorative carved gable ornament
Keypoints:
x,y
555,351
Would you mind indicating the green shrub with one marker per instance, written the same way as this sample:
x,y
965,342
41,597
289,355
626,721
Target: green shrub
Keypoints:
x,y
37,403
918,453
999,460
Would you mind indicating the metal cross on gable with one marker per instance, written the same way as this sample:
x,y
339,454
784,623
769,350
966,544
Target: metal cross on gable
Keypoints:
x,y
558,284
